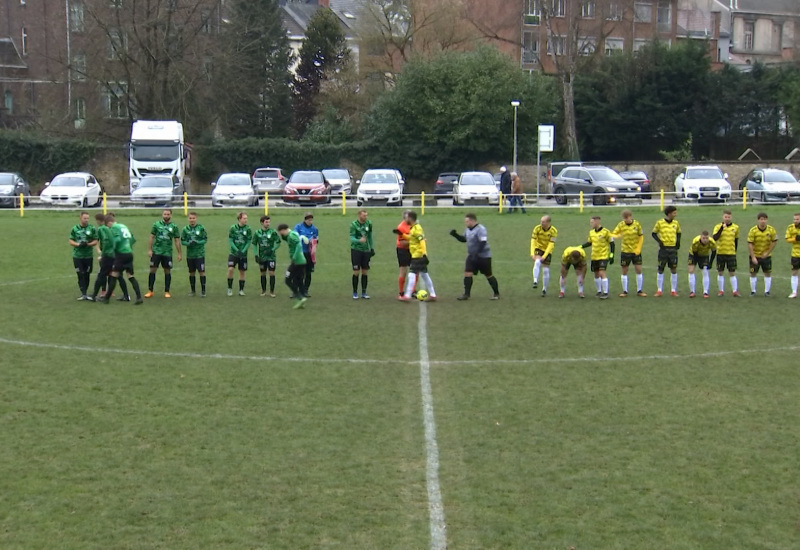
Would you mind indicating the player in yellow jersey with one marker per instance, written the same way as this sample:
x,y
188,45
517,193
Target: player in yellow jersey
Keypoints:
x,y
726,235
632,240
793,238
667,233
602,244
543,240
573,256
701,254
419,258
761,239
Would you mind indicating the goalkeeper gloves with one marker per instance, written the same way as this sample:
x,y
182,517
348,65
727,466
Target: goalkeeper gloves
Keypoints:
x,y
453,233
397,231
611,260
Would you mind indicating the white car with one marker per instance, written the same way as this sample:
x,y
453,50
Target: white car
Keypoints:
x,y
703,183
475,187
234,189
340,179
72,189
380,186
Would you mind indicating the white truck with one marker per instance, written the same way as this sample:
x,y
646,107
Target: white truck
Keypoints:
x,y
157,149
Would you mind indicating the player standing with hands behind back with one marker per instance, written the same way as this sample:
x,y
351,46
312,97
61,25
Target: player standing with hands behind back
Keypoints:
x,y
361,250
240,236
194,238
761,239
159,248
667,233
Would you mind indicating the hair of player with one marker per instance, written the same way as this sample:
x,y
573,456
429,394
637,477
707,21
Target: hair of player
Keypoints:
x,y
240,214
471,216
264,218
110,217
308,215
704,233
362,211
627,214
670,209
412,215
796,214
762,215
728,212
576,255
546,219
100,217
193,214
596,217
167,210
282,226
405,213
84,213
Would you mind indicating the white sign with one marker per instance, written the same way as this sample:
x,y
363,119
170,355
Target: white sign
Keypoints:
x,y
547,138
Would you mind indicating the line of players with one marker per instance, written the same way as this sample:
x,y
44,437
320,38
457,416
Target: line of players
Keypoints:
x,y
722,243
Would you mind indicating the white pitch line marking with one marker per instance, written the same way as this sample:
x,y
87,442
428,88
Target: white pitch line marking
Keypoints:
x,y
435,506
27,281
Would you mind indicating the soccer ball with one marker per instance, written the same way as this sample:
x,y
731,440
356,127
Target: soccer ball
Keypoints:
x,y
422,295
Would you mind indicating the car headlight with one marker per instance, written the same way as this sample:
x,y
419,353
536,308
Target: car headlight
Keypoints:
x,y
638,188
612,189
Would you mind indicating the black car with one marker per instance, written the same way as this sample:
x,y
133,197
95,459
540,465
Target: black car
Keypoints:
x,y
13,185
599,184
444,184
640,178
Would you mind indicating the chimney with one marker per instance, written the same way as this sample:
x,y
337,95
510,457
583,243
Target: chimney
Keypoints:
x,y
324,3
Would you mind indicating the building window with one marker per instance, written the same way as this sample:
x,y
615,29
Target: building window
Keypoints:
x,y
530,47
643,12
587,9
115,100
24,41
639,43
664,15
559,8
8,102
614,11
587,46
116,4
749,33
77,19
614,45
80,113
557,45
532,8
117,44
79,67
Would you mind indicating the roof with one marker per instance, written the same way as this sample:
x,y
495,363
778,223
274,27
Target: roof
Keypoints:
x,y
772,7
295,17
9,55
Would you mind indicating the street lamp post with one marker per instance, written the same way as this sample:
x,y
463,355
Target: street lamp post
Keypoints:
x,y
515,104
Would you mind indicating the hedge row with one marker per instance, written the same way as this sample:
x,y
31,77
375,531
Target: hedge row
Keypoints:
x,y
40,158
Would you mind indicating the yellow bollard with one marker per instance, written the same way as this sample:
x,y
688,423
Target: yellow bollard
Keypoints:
x,y
344,205
581,201
266,203
105,203
21,205
662,200
499,203
744,198
185,204
423,202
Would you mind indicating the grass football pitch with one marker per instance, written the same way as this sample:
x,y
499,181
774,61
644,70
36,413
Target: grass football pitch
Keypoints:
x,y
242,423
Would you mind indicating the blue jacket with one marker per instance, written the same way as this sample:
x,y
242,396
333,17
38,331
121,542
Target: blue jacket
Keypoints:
x,y
310,232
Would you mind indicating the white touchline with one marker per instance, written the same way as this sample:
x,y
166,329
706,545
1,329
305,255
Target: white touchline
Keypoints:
x,y
26,281
435,506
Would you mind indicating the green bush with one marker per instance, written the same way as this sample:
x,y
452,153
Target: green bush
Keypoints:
x,y
41,158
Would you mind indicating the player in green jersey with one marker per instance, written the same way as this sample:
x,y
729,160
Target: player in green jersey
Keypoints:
x,y
123,259
361,251
266,242
295,273
194,238
105,243
240,237
82,238
159,249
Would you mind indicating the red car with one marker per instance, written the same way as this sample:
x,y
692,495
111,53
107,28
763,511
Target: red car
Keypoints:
x,y
307,186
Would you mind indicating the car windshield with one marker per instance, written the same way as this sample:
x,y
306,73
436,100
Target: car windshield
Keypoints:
x,y
158,153
6,179
306,177
336,174
385,178
155,182
704,174
779,177
477,179
633,175
266,174
605,174
234,179
68,181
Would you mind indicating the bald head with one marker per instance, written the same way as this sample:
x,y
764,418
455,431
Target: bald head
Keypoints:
x,y
545,222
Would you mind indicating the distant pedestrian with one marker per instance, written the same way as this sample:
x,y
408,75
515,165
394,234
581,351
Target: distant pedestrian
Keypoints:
x,y
505,181
515,198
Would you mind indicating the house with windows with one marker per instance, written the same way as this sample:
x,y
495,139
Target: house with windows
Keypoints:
x,y
764,31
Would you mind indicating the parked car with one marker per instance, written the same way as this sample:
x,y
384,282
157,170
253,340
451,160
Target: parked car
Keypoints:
x,y
72,189
770,184
554,169
600,183
475,187
380,186
12,185
340,180
268,180
444,184
704,183
307,186
158,191
234,189
638,177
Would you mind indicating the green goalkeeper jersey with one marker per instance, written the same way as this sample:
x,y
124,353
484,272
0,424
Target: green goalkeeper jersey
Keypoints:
x,y
106,238
359,230
83,236
164,234
123,239
266,242
296,255
194,239
240,237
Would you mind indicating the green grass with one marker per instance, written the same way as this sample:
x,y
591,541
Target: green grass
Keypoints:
x,y
636,423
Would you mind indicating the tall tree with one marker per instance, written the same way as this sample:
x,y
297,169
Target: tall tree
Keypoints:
x,y
252,72
323,55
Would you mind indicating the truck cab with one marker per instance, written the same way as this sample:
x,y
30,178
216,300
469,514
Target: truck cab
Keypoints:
x,y
157,148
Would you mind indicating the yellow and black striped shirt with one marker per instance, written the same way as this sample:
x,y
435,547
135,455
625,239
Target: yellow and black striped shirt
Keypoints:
x,y
630,233
667,231
791,236
726,244
700,249
601,243
541,238
566,257
761,239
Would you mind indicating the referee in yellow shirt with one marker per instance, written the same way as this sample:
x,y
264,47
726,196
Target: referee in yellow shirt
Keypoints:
x,y
761,239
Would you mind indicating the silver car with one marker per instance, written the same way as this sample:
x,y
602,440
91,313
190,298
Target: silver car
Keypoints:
x,y
13,185
340,179
158,191
268,180
234,189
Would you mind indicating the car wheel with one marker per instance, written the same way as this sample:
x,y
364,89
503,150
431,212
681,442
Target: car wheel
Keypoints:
x,y
599,198
561,195
27,200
